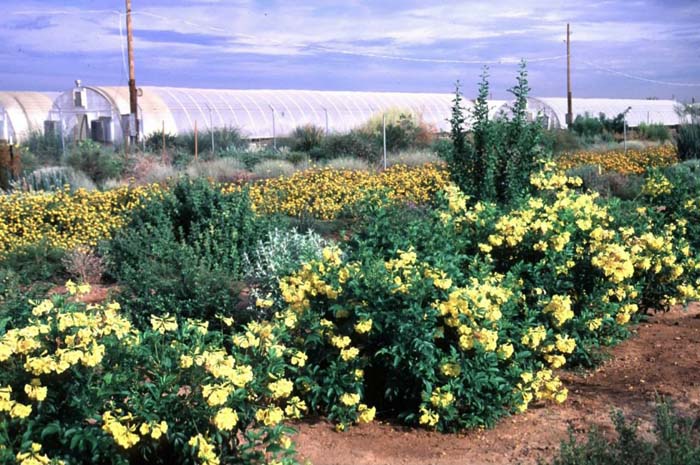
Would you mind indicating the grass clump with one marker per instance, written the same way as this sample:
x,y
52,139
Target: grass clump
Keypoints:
x,y
676,442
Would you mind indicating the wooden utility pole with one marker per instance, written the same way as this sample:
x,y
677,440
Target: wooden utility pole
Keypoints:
x,y
569,113
133,97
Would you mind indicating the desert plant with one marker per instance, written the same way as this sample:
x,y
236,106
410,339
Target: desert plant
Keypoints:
x,y
413,158
353,144
219,170
36,262
46,147
181,253
347,163
273,169
655,131
10,165
404,130
53,178
676,442
304,138
84,264
688,141
98,162
497,164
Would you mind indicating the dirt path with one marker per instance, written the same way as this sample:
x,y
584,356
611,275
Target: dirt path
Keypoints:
x,y
663,357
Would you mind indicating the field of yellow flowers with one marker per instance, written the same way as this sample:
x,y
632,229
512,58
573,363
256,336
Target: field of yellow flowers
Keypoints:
x,y
324,193
67,220
629,162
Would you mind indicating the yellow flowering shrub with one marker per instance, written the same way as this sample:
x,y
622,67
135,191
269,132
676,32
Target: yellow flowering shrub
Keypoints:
x,y
630,162
66,219
81,383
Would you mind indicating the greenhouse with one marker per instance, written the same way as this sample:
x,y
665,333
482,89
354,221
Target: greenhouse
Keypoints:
x,y
637,111
22,113
100,112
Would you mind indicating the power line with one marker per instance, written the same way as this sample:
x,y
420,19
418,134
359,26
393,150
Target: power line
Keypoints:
x,y
640,78
257,41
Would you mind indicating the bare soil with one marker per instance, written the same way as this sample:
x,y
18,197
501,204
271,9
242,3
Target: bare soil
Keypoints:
x,y
662,358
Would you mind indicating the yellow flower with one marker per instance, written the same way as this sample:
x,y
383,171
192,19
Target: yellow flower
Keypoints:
x,y
505,351
363,326
216,394
555,361
340,341
299,359
560,307
349,353
366,414
270,416
33,456
441,399
428,417
349,399
163,324
295,407
205,450
20,411
281,388
450,369
565,344
534,337
35,391
594,324
226,419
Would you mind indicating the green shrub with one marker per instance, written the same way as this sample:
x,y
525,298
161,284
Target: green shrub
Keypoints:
x,y
297,158
305,138
458,315
182,253
46,148
404,130
353,144
676,442
497,163
608,184
688,141
656,131
562,141
39,262
98,162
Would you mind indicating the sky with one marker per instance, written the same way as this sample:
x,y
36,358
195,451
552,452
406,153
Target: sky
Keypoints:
x,y
619,49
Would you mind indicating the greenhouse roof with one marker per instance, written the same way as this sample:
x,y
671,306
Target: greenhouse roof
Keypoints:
x,y
24,112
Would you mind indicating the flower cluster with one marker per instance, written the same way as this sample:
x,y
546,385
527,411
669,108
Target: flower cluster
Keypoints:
x,y
324,193
140,392
66,219
629,162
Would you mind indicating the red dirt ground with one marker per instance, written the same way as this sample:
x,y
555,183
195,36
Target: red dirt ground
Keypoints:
x,y
662,358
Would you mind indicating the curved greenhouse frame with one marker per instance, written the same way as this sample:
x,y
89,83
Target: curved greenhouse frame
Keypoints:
x,y
258,114
22,113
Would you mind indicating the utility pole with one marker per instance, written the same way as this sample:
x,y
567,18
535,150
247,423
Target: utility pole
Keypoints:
x,y
569,113
133,97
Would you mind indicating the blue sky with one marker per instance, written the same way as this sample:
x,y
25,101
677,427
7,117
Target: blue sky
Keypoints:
x,y
631,49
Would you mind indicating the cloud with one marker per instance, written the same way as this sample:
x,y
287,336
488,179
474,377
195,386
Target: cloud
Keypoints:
x,y
352,44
